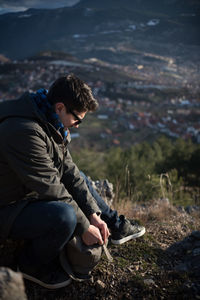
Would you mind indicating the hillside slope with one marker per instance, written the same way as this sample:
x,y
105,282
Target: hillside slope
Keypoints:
x,y
164,264
93,24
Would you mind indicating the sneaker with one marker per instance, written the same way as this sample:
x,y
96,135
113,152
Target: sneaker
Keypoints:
x,y
128,230
51,280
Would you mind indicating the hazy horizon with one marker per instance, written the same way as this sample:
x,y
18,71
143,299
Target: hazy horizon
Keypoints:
x,y
10,6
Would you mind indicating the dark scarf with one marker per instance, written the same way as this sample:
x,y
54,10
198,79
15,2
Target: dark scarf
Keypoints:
x,y
40,98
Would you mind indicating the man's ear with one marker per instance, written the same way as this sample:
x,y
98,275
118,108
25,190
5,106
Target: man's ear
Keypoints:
x,y
59,106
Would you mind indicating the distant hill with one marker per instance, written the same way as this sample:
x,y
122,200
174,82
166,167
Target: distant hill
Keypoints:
x,y
169,6
84,29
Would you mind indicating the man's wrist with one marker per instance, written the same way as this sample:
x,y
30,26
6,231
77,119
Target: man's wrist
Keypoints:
x,y
95,216
92,216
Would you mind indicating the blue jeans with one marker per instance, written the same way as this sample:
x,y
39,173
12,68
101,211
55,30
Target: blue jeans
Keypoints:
x,y
48,225
107,214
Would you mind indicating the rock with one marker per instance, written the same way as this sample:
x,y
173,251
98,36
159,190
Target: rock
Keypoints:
x,y
192,208
164,201
100,286
11,285
181,209
149,281
196,234
190,250
197,244
105,189
196,252
182,267
133,268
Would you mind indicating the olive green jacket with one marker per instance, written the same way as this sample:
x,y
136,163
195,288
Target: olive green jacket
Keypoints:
x,y
35,164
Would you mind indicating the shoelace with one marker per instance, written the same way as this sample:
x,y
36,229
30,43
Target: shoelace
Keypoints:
x,y
107,253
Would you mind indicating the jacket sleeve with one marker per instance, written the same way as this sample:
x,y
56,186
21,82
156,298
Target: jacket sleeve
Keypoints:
x,y
27,155
77,187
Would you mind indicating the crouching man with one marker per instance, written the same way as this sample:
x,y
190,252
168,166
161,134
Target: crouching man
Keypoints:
x,y
43,197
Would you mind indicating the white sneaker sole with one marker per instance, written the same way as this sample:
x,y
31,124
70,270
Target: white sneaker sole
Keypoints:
x,y
46,285
128,238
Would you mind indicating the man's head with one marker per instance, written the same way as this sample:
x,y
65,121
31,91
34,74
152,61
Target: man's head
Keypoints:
x,y
72,99
74,93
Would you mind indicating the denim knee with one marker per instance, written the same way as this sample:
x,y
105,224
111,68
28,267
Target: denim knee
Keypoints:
x,y
65,217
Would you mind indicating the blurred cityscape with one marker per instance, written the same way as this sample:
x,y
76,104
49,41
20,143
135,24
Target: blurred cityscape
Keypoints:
x,y
137,102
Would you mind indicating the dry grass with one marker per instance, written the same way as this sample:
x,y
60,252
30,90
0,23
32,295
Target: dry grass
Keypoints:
x,y
158,211
141,268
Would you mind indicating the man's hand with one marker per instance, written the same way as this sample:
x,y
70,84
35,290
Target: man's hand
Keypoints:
x,y
99,223
92,236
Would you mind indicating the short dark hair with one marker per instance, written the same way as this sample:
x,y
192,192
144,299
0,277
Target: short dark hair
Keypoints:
x,y
73,92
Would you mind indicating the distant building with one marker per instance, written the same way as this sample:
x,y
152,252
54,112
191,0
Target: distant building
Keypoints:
x,y
102,117
153,22
198,137
74,135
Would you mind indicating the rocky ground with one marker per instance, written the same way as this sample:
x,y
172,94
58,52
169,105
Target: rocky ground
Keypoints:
x,y
163,264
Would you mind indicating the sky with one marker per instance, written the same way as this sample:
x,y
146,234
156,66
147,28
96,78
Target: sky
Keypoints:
x,y
22,5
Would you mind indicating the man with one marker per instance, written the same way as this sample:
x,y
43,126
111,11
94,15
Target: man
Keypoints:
x,y
43,197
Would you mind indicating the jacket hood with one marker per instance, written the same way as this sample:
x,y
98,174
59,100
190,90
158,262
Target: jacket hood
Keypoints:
x,y
22,107
25,107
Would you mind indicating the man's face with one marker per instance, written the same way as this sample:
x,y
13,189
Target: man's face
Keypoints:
x,y
68,119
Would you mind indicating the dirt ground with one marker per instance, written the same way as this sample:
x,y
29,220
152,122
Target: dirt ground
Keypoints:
x,y
154,266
